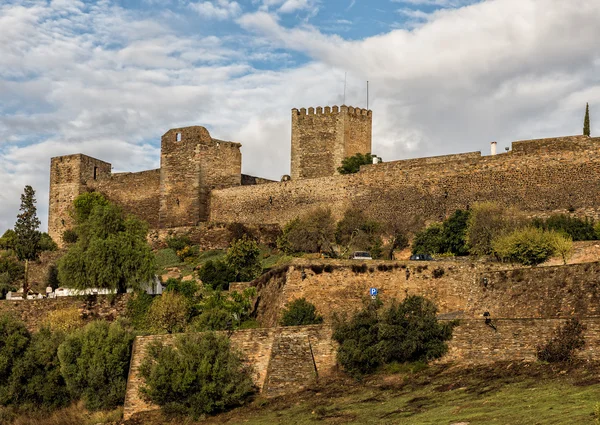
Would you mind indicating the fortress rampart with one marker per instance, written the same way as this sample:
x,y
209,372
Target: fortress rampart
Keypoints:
x,y
540,177
200,179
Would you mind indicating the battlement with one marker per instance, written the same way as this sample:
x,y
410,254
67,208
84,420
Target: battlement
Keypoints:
x,y
333,110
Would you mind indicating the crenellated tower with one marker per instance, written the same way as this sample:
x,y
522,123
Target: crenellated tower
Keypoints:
x,y
323,137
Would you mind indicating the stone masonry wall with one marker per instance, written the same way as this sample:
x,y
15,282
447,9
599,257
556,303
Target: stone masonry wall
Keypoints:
x,y
284,360
535,178
343,286
35,312
137,193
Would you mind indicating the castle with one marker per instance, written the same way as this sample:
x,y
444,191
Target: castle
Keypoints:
x,y
200,179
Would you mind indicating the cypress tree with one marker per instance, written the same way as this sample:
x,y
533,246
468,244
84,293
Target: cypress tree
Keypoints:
x,y
27,236
586,121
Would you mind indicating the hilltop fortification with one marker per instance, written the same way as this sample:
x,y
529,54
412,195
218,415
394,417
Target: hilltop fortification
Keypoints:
x,y
200,178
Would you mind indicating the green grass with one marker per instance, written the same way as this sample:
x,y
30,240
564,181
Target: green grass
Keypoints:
x,y
503,394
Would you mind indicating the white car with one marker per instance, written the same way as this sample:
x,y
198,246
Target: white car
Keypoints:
x,y
361,255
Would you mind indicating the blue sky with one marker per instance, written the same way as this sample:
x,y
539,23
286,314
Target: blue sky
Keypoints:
x,y
108,78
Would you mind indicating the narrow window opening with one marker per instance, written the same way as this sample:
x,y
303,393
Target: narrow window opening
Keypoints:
x,y
95,172
178,137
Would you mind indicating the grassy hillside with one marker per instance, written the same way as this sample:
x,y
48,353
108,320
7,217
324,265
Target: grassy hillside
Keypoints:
x,y
507,393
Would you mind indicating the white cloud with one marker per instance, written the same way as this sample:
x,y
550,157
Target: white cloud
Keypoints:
x,y
217,9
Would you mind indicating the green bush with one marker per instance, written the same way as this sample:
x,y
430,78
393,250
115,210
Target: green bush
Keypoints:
x,y
428,241
405,332
576,228
562,346
35,380
14,339
177,243
8,240
94,362
529,246
169,313
300,312
187,288
314,232
351,164
216,275
166,257
69,236
243,258
357,233
200,375
11,272
46,243
137,310
487,222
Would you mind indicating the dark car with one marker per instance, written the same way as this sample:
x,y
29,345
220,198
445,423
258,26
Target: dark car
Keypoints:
x,y
421,257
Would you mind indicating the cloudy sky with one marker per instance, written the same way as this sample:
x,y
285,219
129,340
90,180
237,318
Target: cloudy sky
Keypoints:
x,y
108,78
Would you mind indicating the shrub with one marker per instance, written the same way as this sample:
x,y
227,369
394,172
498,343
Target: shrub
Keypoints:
x,y
94,362
64,320
428,241
177,243
243,258
438,272
576,228
562,346
405,332
529,246
166,257
169,313
137,310
351,164
356,230
14,339
216,275
300,312
46,243
212,319
314,232
8,240
200,375
35,379
487,222
69,236
187,288
11,271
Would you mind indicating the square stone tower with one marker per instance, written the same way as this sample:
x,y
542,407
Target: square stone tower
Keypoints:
x,y
322,138
69,177
192,164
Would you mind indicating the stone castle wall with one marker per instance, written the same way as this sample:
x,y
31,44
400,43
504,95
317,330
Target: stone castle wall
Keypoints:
x,y
284,360
539,177
464,290
35,312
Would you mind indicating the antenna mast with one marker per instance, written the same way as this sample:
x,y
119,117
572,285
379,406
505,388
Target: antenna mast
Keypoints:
x,y
367,94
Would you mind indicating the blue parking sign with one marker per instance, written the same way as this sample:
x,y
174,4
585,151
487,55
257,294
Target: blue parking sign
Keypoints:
x,y
373,292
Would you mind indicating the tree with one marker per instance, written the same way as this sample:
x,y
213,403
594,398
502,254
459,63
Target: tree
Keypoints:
x,y
8,239
586,121
243,258
356,232
94,362
216,275
201,374
314,232
300,313
169,313
404,332
454,233
351,164
429,241
14,340
27,237
488,221
111,250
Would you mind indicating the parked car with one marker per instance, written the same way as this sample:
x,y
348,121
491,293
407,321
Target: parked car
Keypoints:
x,y
421,257
361,255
